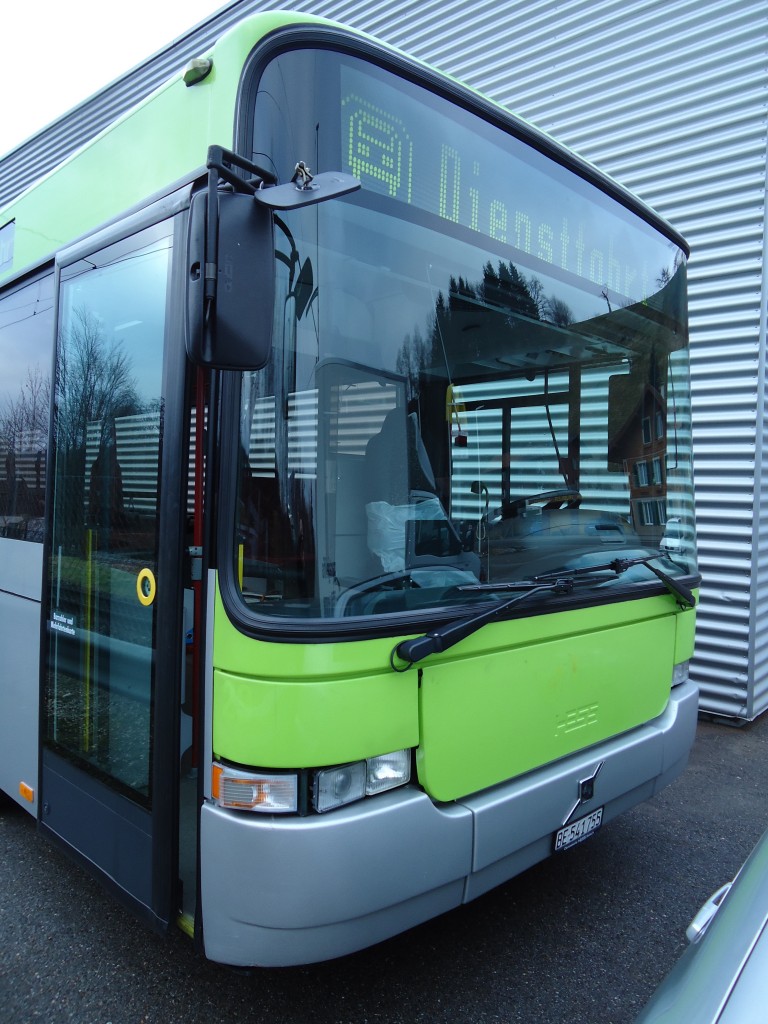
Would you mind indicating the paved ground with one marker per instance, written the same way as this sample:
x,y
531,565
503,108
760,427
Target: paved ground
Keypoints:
x,y
582,939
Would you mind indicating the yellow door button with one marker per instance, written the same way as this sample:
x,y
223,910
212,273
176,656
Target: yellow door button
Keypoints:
x,y
146,588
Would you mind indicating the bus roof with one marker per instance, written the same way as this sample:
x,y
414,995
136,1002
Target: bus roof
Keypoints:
x,y
146,150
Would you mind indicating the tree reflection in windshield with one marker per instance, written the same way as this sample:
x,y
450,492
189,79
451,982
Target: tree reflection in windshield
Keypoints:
x,y
495,442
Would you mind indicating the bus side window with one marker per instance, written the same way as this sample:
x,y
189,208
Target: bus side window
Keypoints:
x,y
26,343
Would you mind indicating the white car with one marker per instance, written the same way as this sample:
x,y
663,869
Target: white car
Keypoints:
x,y
673,542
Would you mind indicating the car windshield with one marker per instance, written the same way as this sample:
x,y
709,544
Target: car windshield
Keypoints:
x,y
466,387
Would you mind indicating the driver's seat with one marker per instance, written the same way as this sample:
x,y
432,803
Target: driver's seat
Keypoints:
x,y
407,524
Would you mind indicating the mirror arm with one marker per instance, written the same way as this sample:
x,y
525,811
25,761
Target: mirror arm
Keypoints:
x,y
232,237
220,163
223,161
211,244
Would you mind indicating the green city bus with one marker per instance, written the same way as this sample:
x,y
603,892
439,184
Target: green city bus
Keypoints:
x,y
342,414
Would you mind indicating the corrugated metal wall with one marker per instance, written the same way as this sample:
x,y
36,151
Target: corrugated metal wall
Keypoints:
x,y
672,100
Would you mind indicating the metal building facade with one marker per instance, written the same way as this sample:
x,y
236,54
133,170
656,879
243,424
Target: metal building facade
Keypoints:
x,y
672,100
669,98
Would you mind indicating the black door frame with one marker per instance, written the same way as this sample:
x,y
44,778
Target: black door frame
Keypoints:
x,y
132,849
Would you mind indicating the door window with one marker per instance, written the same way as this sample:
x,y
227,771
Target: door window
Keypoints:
x,y
108,444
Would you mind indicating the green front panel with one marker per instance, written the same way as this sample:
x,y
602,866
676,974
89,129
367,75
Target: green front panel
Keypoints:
x,y
488,717
685,635
509,698
283,705
302,723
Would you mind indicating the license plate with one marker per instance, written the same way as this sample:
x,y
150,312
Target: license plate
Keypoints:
x,y
578,831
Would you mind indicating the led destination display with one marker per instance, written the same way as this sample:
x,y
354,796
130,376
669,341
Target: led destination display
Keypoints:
x,y
452,167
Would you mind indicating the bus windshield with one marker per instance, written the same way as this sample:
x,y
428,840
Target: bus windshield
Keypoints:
x,y
479,370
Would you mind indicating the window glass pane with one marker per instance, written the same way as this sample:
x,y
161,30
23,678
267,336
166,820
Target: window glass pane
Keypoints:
x,y
475,361
26,351
108,441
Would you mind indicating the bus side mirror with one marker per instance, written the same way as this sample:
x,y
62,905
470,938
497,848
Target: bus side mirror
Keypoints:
x,y
231,253
230,301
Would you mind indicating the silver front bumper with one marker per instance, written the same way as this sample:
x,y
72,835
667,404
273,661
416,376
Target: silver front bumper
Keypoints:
x,y
280,891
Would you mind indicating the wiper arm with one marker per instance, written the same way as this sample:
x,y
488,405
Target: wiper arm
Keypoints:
x,y
451,633
680,591
620,565
444,637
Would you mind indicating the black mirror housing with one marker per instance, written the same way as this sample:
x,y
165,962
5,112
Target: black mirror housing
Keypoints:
x,y
230,301
231,254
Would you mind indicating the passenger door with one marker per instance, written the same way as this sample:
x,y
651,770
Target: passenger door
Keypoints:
x,y
112,636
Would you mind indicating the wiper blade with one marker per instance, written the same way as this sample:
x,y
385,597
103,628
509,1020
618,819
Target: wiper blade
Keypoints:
x,y
620,565
440,639
444,637
564,577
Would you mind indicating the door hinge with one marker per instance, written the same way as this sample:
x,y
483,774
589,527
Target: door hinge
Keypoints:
x,y
196,563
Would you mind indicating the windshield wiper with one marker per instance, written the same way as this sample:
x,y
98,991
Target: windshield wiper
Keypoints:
x,y
440,639
620,565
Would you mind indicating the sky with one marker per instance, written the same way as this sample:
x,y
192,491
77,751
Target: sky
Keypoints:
x,y
56,53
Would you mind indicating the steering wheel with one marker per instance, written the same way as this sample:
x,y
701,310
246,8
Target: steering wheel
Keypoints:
x,y
569,497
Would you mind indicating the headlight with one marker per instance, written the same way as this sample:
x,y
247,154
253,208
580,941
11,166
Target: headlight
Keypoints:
x,y
278,792
387,771
680,673
334,787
